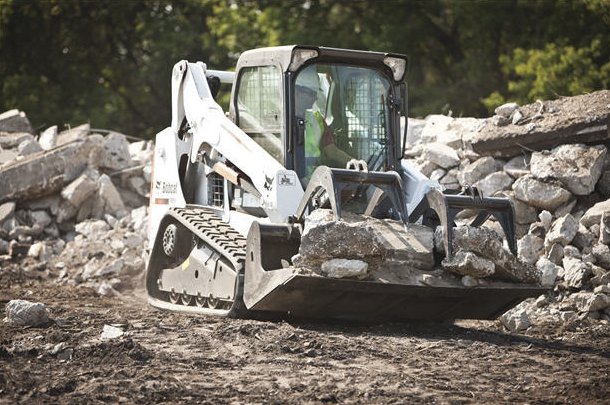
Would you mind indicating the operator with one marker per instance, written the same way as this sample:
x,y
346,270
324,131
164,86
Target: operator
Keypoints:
x,y
320,147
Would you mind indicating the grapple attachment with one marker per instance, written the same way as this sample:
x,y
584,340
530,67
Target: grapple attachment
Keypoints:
x,y
272,284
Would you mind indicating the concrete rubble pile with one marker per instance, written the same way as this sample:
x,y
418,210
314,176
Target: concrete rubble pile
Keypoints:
x,y
550,159
75,201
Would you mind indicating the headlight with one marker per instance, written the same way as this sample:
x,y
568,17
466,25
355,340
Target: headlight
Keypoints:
x,y
398,66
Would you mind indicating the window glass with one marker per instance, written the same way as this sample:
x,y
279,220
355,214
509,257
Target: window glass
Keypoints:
x,y
346,115
259,107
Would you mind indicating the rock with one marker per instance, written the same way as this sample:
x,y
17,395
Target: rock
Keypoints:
x,y
113,268
10,141
28,147
469,264
563,231
441,155
476,170
80,189
92,229
602,255
529,248
590,302
546,219
15,121
524,213
583,238
132,240
604,228
487,244
469,281
516,117
518,166
494,183
345,268
435,124
111,332
26,313
516,321
577,167
548,271
113,203
506,110
576,272
40,218
594,214
48,138
554,253
78,133
7,210
115,154
545,195
106,290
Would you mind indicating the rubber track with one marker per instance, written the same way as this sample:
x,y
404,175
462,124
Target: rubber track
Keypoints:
x,y
205,223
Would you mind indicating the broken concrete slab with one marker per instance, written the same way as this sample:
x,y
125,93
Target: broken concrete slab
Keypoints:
x,y
578,119
46,173
15,121
371,240
577,167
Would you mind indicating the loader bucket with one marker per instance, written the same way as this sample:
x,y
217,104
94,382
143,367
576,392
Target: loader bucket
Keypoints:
x,y
270,287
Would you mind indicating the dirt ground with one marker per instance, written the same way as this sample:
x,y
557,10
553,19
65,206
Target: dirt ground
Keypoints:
x,y
174,358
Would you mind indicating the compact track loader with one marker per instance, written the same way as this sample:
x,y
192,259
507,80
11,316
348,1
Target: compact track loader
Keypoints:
x,y
307,127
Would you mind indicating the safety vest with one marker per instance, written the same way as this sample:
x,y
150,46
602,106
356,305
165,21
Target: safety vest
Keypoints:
x,y
314,128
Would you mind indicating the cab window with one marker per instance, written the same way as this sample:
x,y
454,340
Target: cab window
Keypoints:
x,y
259,107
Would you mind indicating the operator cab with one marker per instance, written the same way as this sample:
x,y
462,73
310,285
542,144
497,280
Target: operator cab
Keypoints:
x,y
312,106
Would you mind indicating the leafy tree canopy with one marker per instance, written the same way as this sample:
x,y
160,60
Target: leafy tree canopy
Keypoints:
x,y
109,62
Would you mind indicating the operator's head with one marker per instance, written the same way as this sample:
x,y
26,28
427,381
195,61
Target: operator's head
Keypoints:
x,y
307,86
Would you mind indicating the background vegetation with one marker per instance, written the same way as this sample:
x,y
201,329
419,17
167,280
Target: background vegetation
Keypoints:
x,y
108,62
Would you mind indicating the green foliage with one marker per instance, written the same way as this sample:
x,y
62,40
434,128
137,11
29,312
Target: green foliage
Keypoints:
x,y
109,62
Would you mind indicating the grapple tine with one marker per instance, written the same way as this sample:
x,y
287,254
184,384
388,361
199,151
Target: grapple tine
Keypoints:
x,y
447,206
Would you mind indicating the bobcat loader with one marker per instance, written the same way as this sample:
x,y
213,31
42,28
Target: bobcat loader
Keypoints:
x,y
230,191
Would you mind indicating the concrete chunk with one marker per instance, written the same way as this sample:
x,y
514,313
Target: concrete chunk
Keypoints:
x,y
48,138
43,174
78,133
115,155
15,121
441,155
28,147
345,268
26,313
545,195
78,191
562,231
577,167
